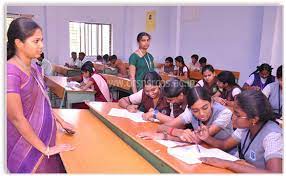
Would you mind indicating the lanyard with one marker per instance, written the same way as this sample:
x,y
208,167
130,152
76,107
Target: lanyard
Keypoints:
x,y
241,153
149,64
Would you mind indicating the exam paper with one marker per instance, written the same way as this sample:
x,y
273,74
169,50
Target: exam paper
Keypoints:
x,y
169,143
136,117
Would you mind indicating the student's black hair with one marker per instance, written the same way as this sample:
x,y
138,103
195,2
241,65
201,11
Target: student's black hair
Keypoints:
x,y
169,59
180,59
262,67
208,67
203,60
99,58
279,72
141,35
255,104
174,87
73,52
197,93
195,56
226,77
20,28
106,57
113,57
42,55
88,67
81,53
152,78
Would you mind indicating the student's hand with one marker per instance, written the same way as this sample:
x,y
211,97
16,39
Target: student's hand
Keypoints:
x,y
216,162
58,149
150,135
69,128
148,115
220,100
132,108
82,84
202,132
189,136
69,79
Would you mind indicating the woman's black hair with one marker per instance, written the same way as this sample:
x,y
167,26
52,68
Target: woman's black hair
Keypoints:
x,y
88,67
99,58
20,28
141,35
180,59
279,72
226,77
106,57
255,104
152,78
262,67
208,67
113,57
174,87
197,93
169,59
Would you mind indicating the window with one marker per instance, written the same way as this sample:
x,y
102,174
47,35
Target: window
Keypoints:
x,y
93,39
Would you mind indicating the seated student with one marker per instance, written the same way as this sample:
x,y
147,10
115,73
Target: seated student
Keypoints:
x,y
195,65
80,78
46,66
168,66
80,61
203,62
151,96
96,82
72,61
99,59
259,78
209,81
273,92
105,58
118,64
226,82
200,110
176,94
181,69
260,138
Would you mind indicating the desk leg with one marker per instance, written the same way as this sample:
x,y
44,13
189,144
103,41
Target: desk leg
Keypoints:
x,y
63,101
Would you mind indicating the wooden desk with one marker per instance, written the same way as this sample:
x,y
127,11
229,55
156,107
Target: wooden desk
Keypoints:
x,y
152,151
121,83
57,85
98,149
66,71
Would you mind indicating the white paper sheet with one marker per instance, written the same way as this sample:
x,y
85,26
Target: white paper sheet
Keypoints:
x,y
169,143
136,117
190,154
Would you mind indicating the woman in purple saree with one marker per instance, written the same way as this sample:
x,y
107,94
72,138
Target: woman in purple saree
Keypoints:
x,y
31,125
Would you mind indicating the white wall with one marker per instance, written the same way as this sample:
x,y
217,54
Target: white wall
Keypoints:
x,y
234,38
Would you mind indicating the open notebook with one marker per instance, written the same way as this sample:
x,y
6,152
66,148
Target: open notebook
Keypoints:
x,y
136,117
191,155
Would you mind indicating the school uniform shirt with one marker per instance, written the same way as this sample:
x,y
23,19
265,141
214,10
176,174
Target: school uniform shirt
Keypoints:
x,y
230,94
221,117
71,62
78,63
101,87
256,80
212,89
181,70
168,69
47,68
266,145
146,102
195,67
84,60
274,94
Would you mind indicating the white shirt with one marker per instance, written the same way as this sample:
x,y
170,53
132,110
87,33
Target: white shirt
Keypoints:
x,y
47,67
185,69
200,83
235,92
78,63
71,62
250,80
136,98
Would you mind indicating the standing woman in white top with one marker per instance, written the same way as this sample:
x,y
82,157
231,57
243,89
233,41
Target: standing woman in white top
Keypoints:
x,y
259,138
181,69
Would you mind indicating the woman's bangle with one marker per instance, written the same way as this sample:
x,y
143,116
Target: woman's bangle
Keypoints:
x,y
47,152
171,131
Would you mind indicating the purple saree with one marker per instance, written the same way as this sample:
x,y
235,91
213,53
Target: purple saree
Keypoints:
x,y
22,157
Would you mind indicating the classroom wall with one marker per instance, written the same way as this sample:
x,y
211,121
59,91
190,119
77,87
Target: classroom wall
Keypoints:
x,y
235,38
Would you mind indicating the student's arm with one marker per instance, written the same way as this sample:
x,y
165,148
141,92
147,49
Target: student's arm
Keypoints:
x,y
160,116
156,136
272,165
87,86
17,118
132,72
185,76
217,94
131,103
